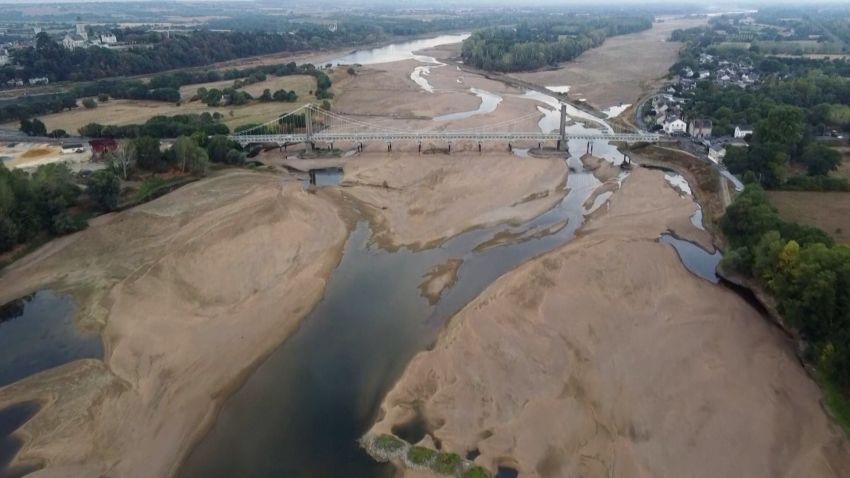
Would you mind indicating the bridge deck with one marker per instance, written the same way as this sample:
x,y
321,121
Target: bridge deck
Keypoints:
x,y
437,136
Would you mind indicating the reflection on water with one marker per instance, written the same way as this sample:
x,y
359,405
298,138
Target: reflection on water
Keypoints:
x,y
678,182
489,102
695,259
559,89
324,177
614,111
398,51
38,332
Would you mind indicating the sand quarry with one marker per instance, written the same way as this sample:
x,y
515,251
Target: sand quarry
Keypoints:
x,y
603,357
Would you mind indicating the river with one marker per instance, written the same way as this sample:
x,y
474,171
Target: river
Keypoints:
x,y
301,412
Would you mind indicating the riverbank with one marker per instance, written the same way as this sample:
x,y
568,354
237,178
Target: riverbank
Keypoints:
x,y
637,366
189,294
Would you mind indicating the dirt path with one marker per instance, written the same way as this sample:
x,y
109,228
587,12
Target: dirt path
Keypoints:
x,y
190,291
607,357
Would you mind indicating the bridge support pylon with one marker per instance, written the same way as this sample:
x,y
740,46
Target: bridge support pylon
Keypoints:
x,y
308,126
562,129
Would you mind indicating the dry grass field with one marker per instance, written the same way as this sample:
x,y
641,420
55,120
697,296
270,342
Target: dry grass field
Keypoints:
x,y
123,112
829,211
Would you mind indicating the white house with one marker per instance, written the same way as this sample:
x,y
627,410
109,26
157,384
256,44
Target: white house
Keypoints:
x,y
4,57
743,131
39,80
675,126
716,153
108,39
704,74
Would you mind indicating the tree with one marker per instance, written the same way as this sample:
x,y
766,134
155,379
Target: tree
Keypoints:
x,y
820,159
102,98
266,96
33,127
190,157
218,147
784,125
58,133
120,160
105,188
147,155
89,103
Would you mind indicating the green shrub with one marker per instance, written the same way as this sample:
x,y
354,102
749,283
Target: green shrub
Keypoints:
x,y
447,463
388,443
476,472
421,456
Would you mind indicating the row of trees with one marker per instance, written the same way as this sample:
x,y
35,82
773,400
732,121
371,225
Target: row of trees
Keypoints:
x,y
803,269
161,127
165,87
531,45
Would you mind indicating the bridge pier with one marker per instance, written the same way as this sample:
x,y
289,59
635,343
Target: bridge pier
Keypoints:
x,y
389,147
562,129
479,147
510,148
450,148
420,148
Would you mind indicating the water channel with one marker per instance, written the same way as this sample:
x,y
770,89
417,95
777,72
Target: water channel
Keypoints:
x,y
300,413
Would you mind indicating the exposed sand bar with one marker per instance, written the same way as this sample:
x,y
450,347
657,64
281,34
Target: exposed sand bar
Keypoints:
x,y
420,200
190,292
606,357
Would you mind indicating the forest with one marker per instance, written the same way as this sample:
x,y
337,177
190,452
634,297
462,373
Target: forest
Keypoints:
x,y
535,44
803,269
48,58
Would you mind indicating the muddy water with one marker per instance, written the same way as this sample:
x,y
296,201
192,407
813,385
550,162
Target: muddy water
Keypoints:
x,y
301,412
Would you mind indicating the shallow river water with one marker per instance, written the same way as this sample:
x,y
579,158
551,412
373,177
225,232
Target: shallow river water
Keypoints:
x,y
301,412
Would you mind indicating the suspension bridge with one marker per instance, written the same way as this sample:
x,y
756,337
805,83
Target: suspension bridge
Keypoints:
x,y
310,124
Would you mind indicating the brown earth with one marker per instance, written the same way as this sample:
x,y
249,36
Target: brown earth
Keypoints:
x,y
636,368
622,70
188,294
829,211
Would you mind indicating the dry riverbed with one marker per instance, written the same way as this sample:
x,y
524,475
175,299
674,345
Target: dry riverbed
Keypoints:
x,y
606,356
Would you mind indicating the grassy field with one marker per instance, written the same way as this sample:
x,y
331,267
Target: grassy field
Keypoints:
x,y
123,112
829,211
804,47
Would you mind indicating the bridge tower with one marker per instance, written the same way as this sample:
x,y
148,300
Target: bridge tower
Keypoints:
x,y
308,125
563,129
